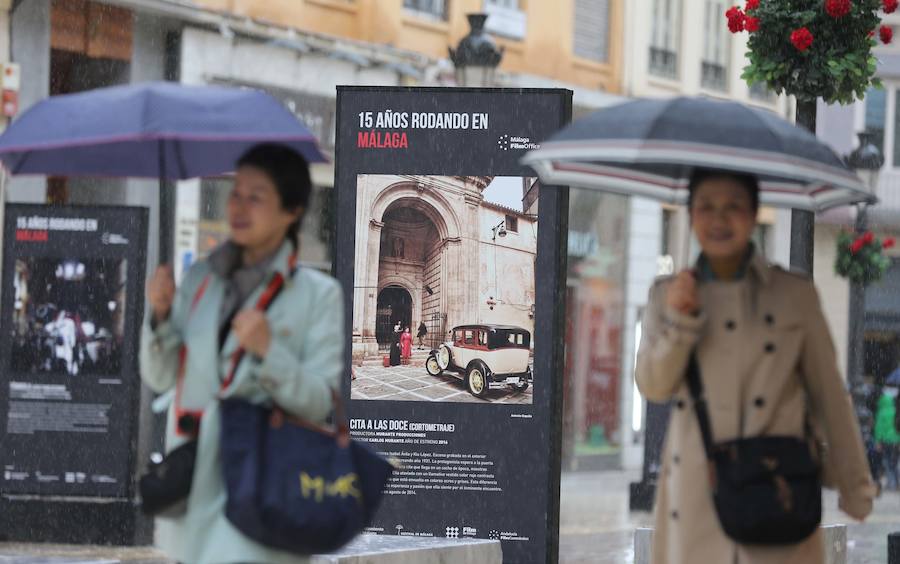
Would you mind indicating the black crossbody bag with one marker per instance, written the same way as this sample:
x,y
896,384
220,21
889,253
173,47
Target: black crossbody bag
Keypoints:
x,y
767,490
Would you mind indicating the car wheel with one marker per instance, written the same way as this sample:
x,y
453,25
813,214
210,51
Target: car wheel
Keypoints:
x,y
444,358
477,379
432,367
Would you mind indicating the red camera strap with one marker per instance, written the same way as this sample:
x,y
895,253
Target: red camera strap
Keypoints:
x,y
276,284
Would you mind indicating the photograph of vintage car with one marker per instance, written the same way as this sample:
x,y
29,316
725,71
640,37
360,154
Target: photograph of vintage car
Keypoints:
x,y
486,357
434,253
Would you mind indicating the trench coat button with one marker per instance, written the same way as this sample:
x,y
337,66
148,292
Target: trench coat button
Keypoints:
x,y
676,459
730,325
679,404
770,347
759,401
674,515
770,319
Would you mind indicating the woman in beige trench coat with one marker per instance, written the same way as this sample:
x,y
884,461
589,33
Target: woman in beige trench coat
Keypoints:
x,y
766,361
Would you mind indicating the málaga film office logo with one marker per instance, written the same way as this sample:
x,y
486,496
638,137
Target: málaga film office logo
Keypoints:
x,y
514,142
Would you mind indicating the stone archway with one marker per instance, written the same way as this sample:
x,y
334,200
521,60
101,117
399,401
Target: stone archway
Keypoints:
x,y
411,255
410,234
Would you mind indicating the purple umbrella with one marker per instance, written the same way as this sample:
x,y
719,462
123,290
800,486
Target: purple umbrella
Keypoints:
x,y
159,130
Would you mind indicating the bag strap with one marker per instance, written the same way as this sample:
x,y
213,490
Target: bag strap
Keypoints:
x,y
276,284
340,429
265,300
695,385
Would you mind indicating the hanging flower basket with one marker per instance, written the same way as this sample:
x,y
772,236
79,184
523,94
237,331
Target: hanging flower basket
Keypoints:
x,y
861,258
813,48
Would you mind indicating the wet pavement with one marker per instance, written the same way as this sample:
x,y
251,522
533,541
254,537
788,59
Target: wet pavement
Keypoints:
x,y
595,528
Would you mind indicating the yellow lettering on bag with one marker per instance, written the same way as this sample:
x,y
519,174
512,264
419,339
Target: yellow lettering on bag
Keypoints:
x,y
317,488
309,486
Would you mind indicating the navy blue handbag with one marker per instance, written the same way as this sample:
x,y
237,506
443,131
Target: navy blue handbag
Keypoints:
x,y
296,486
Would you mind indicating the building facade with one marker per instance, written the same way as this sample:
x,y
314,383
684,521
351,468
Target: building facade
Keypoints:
x,y
573,42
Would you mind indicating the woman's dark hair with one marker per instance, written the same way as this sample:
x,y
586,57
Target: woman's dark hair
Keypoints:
x,y
289,171
747,181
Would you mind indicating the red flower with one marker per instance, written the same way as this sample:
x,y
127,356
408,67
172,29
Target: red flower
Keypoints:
x,y
871,34
868,238
888,243
886,33
856,246
751,24
802,38
889,6
735,19
754,4
838,8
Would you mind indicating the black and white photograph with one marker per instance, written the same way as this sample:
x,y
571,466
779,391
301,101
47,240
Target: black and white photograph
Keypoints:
x,y
444,288
68,315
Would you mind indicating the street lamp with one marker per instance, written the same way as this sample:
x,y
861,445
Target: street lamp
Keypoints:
x,y
477,56
866,160
498,230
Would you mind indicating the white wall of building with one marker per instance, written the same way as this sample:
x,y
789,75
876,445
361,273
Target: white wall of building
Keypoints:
x,y
639,81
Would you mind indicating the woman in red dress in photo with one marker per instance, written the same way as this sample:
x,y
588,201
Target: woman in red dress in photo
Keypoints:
x,y
406,344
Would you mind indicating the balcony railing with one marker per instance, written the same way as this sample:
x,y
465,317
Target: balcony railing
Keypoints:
x,y
663,62
713,76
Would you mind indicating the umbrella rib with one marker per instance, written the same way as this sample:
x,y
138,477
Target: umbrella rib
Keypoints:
x,y
770,130
664,110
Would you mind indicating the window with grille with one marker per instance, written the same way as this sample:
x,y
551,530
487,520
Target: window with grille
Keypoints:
x,y
434,8
665,38
714,67
512,223
592,30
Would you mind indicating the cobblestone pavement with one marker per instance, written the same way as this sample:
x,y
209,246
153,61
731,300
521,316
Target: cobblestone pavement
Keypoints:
x,y
413,383
595,528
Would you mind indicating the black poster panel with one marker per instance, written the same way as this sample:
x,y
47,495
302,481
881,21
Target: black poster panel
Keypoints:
x,y
450,251
72,293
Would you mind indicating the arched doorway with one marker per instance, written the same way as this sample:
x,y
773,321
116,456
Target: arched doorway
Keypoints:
x,y
410,256
394,305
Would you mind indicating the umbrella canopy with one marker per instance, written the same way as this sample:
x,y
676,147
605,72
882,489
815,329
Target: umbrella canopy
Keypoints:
x,y
893,379
649,147
154,130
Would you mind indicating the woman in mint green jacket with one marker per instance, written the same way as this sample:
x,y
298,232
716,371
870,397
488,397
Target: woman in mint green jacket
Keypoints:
x,y
294,349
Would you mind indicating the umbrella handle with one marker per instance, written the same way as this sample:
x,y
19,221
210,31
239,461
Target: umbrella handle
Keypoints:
x,y
686,234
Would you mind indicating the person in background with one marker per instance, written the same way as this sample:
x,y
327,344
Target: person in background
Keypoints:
x,y
887,440
396,356
766,360
295,349
406,344
423,330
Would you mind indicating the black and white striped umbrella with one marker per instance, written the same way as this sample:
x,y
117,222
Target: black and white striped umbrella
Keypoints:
x,y
649,147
